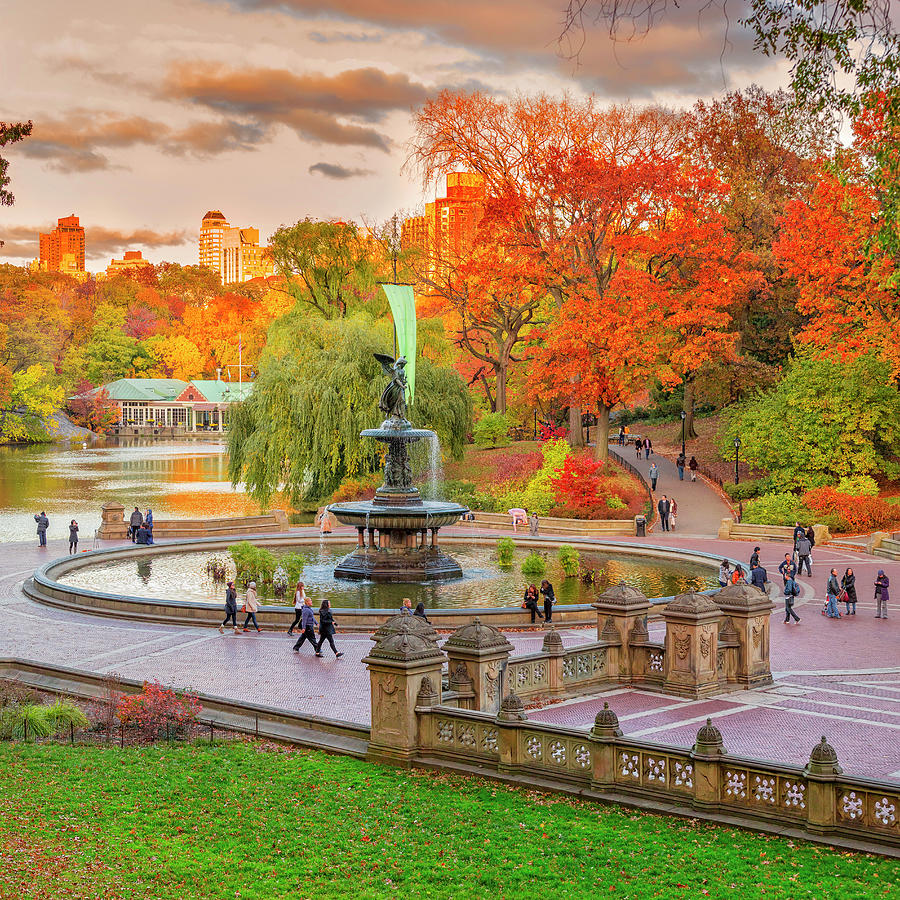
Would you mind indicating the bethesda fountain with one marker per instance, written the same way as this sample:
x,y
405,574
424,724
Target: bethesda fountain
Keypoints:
x,y
397,531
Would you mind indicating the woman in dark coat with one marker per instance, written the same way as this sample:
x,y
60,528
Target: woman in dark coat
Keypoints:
x,y
73,537
549,599
530,602
882,584
230,607
848,585
420,611
326,628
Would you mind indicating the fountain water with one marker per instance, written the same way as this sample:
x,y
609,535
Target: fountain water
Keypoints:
x,y
397,532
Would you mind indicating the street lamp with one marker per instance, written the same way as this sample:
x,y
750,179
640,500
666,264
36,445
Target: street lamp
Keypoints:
x,y
683,417
737,454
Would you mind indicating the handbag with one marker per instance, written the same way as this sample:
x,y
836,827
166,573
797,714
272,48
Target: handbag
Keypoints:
x,y
243,607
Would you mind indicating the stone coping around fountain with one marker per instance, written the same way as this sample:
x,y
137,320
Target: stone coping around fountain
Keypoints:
x,y
44,588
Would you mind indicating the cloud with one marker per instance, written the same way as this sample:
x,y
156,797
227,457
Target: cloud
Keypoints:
x,y
330,170
680,53
308,103
75,143
345,37
99,242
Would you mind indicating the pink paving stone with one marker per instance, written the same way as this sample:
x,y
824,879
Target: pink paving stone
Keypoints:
x,y
584,713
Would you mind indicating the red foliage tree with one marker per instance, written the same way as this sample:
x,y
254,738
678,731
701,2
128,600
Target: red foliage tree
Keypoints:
x,y
92,409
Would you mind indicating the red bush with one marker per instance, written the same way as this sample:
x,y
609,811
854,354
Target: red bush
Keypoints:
x,y
856,514
516,466
157,708
549,433
579,487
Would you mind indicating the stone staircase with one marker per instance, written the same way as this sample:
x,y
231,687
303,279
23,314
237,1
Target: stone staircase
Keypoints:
x,y
115,528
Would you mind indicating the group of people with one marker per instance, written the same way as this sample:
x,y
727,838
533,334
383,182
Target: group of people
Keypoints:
x,y
668,512
140,527
844,591
533,594
520,516
43,523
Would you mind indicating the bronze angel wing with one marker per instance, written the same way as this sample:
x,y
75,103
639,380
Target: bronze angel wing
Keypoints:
x,y
387,363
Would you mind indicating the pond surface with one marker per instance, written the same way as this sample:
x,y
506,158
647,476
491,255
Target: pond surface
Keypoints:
x,y
182,576
176,479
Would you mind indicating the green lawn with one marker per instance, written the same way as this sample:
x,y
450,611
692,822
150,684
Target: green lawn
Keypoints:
x,y
246,821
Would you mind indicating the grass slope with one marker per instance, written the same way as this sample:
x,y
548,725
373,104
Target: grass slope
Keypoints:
x,y
247,821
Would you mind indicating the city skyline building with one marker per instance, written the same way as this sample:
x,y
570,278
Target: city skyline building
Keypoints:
x,y
62,250
131,260
233,253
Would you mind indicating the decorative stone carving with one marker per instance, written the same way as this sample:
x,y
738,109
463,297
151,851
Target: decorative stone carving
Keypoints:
x,y
512,709
415,625
692,631
460,680
427,695
621,611
709,741
481,650
552,642
745,627
823,760
606,724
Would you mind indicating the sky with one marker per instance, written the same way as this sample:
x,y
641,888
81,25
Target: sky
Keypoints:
x,y
146,115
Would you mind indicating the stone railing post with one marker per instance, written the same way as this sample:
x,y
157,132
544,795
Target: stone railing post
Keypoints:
x,y
707,753
481,650
725,529
556,654
398,667
619,609
821,774
749,610
511,716
112,522
692,642
604,735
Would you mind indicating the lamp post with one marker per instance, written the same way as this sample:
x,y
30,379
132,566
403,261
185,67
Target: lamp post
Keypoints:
x,y
737,454
683,417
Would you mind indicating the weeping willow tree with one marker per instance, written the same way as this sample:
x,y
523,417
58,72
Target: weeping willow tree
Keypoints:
x,y
318,386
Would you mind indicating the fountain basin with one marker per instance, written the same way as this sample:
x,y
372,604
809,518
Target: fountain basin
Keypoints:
x,y
419,515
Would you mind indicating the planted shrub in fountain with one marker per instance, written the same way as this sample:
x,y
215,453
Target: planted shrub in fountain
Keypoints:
x,y
534,565
252,563
506,547
279,582
569,560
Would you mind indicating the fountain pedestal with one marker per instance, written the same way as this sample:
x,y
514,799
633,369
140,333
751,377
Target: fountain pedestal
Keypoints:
x,y
397,531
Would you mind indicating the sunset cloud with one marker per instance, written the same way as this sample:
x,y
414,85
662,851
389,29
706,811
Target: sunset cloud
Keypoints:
x,y
330,170
100,242
308,103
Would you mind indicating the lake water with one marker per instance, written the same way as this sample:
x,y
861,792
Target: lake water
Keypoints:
x,y
182,576
176,479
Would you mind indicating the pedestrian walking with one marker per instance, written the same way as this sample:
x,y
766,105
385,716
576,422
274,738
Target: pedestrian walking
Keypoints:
x,y
230,608
791,590
724,573
882,584
754,557
299,602
43,523
804,554
621,435
135,521
848,588
648,447
693,465
251,606
664,508
673,513
308,624
533,524
420,611
530,602
327,629
73,536
787,567
680,463
759,578
549,599
637,447
832,589
654,475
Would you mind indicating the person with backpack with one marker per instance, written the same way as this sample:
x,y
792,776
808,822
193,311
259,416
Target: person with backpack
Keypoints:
x,y
693,465
848,588
308,624
791,590
327,629
787,567
230,608
680,463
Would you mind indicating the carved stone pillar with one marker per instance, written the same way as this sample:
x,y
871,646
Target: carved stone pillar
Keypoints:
x,y
706,754
482,650
749,610
113,526
620,609
511,716
604,733
556,654
398,666
821,774
692,638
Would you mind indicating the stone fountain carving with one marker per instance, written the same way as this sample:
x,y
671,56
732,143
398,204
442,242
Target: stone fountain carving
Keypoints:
x,y
397,532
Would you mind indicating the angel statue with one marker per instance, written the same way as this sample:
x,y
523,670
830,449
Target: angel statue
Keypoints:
x,y
393,397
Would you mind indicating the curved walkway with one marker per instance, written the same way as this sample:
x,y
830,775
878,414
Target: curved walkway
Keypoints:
x,y
700,508
835,677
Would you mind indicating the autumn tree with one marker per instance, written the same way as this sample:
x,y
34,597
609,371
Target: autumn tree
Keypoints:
x,y
92,409
10,133
327,266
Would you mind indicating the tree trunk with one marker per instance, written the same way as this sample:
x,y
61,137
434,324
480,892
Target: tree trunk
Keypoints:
x,y
576,435
689,408
501,373
601,436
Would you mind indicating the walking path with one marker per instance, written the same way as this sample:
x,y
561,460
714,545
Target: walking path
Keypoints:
x,y
700,508
840,677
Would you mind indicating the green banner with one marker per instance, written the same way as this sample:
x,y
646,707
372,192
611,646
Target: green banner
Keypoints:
x,y
403,308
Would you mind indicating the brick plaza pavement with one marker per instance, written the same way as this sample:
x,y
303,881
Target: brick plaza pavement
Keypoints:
x,y
840,678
